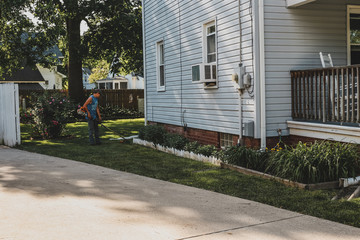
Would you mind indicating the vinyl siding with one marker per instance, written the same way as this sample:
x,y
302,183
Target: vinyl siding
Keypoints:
x,y
293,40
180,24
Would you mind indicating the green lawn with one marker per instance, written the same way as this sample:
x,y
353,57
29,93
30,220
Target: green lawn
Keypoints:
x,y
148,162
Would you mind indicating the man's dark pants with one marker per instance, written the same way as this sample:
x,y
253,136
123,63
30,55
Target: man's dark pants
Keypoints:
x,y
93,131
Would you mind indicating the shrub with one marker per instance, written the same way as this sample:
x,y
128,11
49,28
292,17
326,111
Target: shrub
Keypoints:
x,y
50,114
317,162
192,146
206,150
175,141
116,112
153,133
26,116
245,157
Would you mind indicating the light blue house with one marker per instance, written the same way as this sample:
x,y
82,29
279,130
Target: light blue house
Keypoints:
x,y
230,71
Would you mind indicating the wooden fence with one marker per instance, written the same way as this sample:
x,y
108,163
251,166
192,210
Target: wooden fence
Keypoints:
x,y
127,98
9,114
327,94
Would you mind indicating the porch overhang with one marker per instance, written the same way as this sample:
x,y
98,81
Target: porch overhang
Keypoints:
x,y
325,131
297,3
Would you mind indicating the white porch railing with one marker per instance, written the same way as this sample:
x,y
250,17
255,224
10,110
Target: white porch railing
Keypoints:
x,y
327,95
9,115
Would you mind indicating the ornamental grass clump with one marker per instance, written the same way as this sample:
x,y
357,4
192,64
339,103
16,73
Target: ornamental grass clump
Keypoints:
x,y
51,113
245,157
321,161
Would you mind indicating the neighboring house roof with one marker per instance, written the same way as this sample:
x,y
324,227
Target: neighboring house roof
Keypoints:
x,y
116,78
30,86
25,75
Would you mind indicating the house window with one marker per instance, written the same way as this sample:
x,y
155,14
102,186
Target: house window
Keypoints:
x,y
116,85
354,35
210,54
210,42
108,85
123,85
226,140
160,65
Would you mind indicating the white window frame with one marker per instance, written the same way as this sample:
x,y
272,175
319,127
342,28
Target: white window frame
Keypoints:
x,y
226,140
350,9
205,26
159,64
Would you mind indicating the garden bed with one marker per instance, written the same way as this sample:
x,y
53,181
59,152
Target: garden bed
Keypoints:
x,y
180,153
313,186
215,161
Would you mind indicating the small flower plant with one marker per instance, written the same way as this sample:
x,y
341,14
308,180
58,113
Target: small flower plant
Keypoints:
x,y
51,112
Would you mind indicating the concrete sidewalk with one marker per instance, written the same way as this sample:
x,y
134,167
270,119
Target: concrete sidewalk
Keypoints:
x,y
44,197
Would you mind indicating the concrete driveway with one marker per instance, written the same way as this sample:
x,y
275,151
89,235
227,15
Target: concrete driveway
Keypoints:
x,y
44,197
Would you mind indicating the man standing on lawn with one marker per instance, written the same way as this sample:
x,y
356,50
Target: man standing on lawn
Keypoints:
x,y
93,116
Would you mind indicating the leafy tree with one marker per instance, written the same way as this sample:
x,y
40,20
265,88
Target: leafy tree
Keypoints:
x,y
114,28
100,71
21,41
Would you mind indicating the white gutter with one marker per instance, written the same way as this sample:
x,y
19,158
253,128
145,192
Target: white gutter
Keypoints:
x,y
262,74
256,64
144,59
297,3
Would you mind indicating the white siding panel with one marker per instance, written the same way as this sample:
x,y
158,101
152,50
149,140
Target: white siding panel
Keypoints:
x,y
202,108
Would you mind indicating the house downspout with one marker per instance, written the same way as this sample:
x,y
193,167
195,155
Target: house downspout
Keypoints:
x,y
144,59
240,140
262,74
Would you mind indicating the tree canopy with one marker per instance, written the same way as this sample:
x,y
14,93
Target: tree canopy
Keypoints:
x,y
114,30
21,41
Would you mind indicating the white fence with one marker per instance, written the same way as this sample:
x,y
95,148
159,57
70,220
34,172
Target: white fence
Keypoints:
x,y
9,114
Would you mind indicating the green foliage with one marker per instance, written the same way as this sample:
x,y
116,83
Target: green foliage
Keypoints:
x,y
153,133
206,150
305,163
51,113
21,42
191,146
116,112
114,28
117,31
245,157
26,116
158,135
318,162
100,71
175,141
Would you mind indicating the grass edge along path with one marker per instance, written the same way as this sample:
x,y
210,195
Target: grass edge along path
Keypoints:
x,y
148,162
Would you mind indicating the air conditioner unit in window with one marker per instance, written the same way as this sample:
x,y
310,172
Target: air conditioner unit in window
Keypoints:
x,y
208,73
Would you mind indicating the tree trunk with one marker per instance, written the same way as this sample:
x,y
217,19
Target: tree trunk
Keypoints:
x,y
76,91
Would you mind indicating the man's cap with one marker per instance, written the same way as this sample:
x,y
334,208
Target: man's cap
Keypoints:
x,y
97,91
